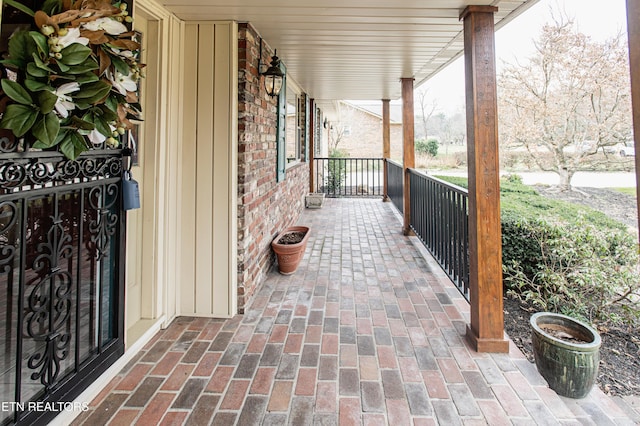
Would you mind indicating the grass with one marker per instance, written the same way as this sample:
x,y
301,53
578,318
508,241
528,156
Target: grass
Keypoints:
x,y
523,202
628,191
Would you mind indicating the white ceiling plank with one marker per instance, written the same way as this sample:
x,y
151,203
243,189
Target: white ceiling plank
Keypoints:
x,y
353,49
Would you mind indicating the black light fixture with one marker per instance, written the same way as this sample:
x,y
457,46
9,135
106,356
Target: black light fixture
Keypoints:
x,y
325,124
273,76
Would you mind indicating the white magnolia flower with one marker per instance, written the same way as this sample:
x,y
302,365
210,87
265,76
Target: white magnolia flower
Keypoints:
x,y
108,25
123,53
72,36
64,104
123,83
96,138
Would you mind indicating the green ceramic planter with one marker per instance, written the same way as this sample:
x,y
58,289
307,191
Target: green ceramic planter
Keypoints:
x,y
570,368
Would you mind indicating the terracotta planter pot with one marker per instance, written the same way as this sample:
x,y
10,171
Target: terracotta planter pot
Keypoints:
x,y
290,255
569,367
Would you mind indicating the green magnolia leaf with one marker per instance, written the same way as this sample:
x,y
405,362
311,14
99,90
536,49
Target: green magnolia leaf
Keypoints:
x,y
75,54
40,64
52,7
19,119
63,67
102,126
91,62
16,92
20,7
81,124
86,78
36,86
93,92
64,77
12,63
41,42
120,65
61,136
47,101
21,46
112,103
46,129
96,111
109,115
73,145
81,105
35,71
81,69
39,145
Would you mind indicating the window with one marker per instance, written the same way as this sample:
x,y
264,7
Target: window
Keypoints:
x,y
293,128
292,135
296,124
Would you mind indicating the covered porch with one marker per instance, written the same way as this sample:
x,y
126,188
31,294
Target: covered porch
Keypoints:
x,y
369,330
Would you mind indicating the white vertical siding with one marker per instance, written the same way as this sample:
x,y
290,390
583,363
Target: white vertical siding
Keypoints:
x,y
208,282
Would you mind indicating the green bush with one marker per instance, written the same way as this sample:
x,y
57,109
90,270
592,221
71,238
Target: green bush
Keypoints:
x,y
336,170
576,269
429,147
567,258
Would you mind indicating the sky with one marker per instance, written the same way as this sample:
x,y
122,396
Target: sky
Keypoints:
x,y
596,18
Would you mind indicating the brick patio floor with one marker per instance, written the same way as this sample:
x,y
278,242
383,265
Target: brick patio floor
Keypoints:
x,y
368,331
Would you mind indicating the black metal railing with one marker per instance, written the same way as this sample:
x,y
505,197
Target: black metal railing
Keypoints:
x,y
395,183
349,177
440,218
62,233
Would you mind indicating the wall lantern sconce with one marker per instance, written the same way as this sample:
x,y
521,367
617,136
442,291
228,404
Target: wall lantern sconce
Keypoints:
x,y
325,124
273,76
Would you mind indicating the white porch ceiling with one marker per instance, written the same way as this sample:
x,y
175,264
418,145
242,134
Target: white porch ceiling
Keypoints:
x,y
353,49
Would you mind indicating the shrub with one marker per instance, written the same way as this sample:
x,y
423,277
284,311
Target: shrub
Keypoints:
x,y
564,257
336,170
512,178
429,147
575,269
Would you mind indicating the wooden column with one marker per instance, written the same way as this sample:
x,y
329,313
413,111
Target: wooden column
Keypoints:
x,y
408,152
633,32
312,144
486,331
386,146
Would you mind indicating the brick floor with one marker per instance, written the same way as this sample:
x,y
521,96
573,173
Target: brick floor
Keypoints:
x,y
367,331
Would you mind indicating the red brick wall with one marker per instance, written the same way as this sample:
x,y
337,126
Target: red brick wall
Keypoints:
x,y
265,207
365,139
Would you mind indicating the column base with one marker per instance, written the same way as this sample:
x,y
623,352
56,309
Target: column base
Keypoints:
x,y
486,345
408,232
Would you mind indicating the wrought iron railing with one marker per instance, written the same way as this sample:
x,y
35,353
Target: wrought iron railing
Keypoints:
x,y
349,177
440,217
61,275
395,183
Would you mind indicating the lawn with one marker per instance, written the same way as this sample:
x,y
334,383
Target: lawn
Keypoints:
x,y
628,191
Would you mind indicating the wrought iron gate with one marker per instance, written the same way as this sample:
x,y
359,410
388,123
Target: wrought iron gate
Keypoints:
x,y
61,276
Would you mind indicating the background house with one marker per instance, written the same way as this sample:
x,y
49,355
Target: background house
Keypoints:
x,y
358,130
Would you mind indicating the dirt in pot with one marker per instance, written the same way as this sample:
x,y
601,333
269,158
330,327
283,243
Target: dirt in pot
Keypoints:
x,y
291,238
564,334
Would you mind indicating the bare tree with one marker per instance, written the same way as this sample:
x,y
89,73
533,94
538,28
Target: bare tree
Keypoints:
x,y
568,101
427,109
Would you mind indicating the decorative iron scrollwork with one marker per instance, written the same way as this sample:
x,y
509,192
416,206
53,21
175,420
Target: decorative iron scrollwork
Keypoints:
x,y
16,173
8,220
104,226
8,144
49,305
